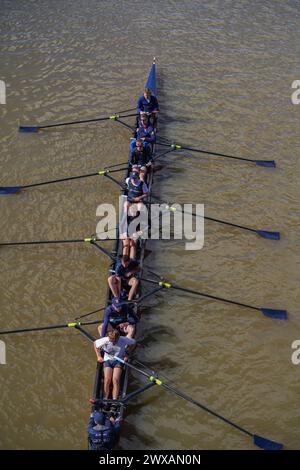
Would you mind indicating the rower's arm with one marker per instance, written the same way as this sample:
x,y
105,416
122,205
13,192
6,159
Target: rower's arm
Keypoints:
x,y
131,158
143,196
105,323
98,352
139,105
156,105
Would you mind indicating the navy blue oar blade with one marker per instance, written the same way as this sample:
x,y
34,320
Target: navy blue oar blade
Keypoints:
x,y
10,189
267,234
28,129
273,313
266,444
267,163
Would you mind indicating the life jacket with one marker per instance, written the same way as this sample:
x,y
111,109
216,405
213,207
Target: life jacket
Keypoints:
x,y
134,190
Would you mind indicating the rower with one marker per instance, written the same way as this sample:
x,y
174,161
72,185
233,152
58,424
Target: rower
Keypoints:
x,y
145,131
113,345
126,270
137,191
140,158
147,103
119,315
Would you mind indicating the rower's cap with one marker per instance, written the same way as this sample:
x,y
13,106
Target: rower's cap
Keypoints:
x,y
99,418
134,175
117,302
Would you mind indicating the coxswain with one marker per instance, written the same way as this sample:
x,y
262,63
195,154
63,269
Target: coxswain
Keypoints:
x,y
102,431
126,270
119,315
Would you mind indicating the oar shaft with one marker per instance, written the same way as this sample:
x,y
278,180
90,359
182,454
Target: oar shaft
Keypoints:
x,y
224,222
219,154
84,121
68,178
186,397
38,328
205,408
115,181
42,242
85,333
132,128
60,180
202,294
213,297
90,313
207,152
51,327
156,157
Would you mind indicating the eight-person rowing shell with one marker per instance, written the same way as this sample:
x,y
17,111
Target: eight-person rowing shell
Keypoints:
x,y
119,324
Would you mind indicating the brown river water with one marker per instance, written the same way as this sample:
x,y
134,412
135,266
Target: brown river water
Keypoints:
x,y
225,71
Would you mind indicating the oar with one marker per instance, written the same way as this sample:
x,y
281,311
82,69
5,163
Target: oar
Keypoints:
x,y
259,441
50,327
261,233
114,117
90,313
156,157
50,242
17,189
268,312
265,163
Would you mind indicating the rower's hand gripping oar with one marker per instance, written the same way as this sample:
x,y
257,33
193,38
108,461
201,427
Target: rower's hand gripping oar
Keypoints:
x,y
113,117
259,441
105,172
262,233
265,163
268,312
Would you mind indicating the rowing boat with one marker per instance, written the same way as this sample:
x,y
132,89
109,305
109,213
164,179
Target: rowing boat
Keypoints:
x,y
109,435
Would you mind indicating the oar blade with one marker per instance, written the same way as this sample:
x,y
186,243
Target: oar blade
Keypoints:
x,y
28,129
10,189
273,313
266,163
266,444
269,235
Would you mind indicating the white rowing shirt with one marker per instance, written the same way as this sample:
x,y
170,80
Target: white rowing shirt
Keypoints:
x,y
117,349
